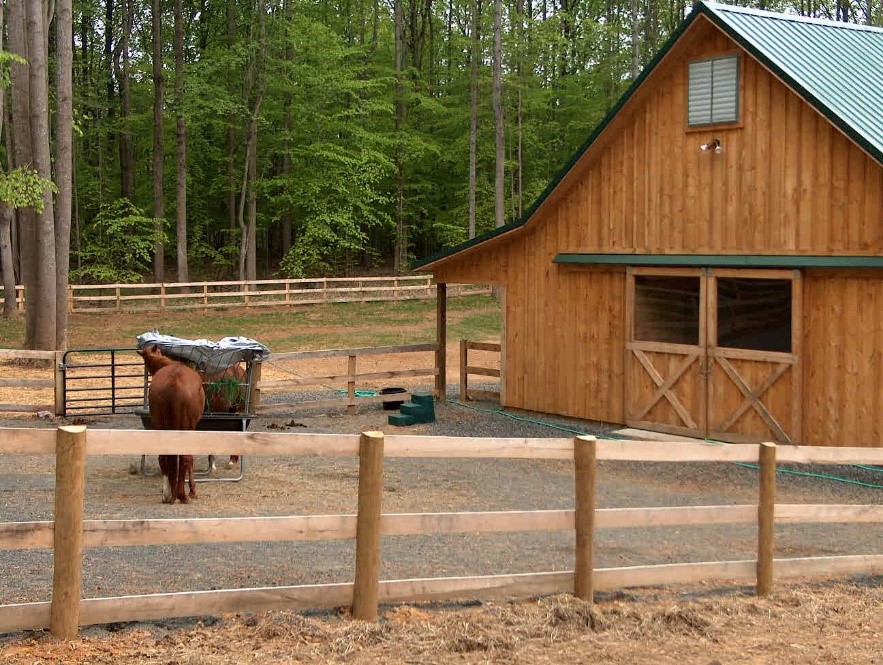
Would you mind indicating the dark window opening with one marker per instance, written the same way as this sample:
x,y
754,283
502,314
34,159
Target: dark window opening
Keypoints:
x,y
667,309
754,314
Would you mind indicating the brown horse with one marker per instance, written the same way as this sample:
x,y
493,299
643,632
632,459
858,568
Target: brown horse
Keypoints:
x,y
177,400
225,393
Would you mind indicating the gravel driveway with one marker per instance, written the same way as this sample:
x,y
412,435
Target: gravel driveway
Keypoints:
x,y
292,486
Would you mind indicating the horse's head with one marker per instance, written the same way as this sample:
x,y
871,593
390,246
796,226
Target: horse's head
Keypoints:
x,y
154,358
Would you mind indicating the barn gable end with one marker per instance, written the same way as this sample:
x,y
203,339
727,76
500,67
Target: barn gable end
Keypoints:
x,y
796,184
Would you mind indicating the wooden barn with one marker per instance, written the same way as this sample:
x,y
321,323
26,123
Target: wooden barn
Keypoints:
x,y
710,262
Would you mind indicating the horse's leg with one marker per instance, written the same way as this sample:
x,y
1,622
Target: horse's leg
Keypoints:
x,y
168,470
234,460
188,462
182,472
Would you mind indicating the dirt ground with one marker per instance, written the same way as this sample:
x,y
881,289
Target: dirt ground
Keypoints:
x,y
814,622
827,621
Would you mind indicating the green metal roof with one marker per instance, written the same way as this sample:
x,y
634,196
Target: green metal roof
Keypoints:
x,y
836,67
722,260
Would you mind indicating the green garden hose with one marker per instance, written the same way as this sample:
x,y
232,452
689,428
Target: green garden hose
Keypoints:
x,y
747,465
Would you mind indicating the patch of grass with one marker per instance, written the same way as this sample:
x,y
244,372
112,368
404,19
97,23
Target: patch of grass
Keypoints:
x,y
477,326
299,327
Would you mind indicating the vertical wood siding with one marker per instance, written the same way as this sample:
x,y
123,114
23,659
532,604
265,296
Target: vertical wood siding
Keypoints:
x,y
842,361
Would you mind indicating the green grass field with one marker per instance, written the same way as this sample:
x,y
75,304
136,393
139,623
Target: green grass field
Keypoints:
x,y
342,325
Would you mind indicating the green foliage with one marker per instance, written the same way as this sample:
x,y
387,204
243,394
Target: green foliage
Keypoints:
x,y
228,388
332,169
118,245
23,187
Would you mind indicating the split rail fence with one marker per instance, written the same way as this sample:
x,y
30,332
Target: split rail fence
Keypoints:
x,y
351,377
253,293
119,377
69,533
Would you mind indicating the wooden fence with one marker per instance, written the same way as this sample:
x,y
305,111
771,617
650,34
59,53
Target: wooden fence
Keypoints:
x,y
466,369
256,293
30,384
70,533
351,377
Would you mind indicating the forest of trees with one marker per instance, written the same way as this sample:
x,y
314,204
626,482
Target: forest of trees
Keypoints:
x,y
171,140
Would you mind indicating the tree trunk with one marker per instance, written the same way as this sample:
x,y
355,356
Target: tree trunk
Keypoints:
x,y
247,178
159,206
636,45
401,245
9,304
474,57
254,95
64,158
7,216
499,132
44,329
251,268
23,156
121,73
180,146
286,144
231,130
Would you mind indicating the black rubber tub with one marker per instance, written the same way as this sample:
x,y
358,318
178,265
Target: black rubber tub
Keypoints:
x,y
394,405
210,422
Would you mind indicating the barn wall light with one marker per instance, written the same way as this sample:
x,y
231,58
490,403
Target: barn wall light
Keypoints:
x,y
713,145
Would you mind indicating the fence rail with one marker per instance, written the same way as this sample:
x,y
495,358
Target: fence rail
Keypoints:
x,y
253,293
351,377
73,444
466,369
19,355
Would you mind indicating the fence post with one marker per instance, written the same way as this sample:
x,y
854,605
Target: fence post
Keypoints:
x,y
70,299
58,374
162,297
255,395
464,352
366,584
67,573
351,385
584,455
441,339
117,293
766,508
205,296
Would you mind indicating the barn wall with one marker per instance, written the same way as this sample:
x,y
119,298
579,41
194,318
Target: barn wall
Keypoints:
x,y
843,360
787,181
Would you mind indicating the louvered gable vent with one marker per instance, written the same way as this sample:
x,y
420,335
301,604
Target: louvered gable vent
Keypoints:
x,y
714,91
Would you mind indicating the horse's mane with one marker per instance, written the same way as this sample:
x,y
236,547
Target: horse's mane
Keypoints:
x,y
154,359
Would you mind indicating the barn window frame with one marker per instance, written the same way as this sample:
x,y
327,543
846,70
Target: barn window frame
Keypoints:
x,y
720,104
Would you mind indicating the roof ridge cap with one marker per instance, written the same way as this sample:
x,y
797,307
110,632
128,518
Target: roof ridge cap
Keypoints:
x,y
717,7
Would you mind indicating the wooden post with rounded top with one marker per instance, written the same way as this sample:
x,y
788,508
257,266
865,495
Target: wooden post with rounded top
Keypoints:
x,y
367,579
766,508
441,339
584,455
67,573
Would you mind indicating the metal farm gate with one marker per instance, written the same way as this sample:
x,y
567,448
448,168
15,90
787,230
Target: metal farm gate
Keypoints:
x,y
105,381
